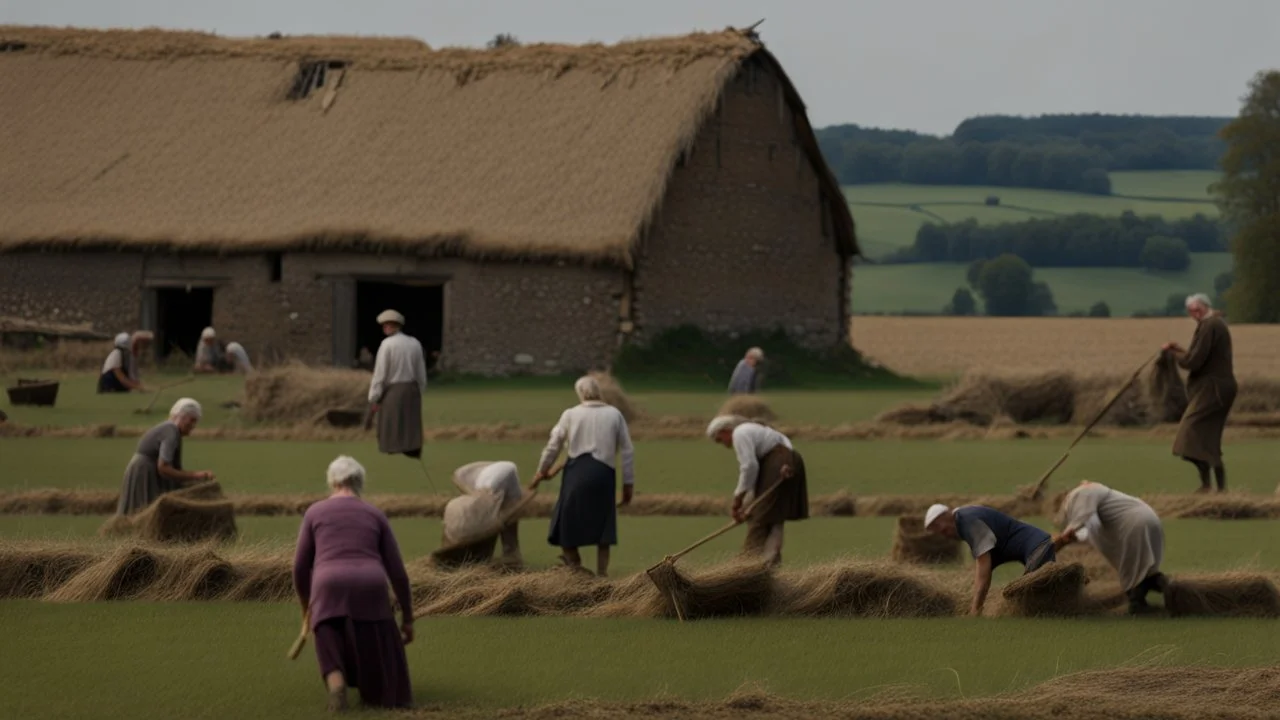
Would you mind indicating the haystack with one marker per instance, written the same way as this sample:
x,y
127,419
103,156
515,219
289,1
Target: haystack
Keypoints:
x,y
751,407
861,589
1229,594
176,519
1093,392
913,544
121,575
294,393
32,572
1054,590
614,395
736,589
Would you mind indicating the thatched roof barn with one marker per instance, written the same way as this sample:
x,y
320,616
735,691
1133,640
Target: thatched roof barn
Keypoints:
x,y
526,206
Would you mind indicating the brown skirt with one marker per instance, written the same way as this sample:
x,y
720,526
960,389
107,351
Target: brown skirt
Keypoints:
x,y
791,500
1200,432
370,656
400,419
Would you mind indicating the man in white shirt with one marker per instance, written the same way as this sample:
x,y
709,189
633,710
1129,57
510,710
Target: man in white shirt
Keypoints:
x,y
766,460
395,393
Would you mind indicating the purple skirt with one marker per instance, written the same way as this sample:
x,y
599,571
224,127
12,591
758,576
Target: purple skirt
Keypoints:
x,y
370,655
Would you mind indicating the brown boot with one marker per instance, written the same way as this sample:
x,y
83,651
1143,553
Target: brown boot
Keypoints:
x,y
338,700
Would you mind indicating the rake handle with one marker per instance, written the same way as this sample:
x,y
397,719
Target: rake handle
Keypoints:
x,y
302,636
1044,479
162,388
723,530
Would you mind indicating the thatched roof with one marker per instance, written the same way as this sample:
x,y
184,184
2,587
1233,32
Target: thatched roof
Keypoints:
x,y
186,141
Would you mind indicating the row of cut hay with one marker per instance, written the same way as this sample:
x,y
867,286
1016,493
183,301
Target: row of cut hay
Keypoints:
x,y
1229,506
875,589
1146,691
1060,398
1240,426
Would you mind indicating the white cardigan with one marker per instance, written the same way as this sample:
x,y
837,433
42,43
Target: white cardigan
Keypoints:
x,y
592,428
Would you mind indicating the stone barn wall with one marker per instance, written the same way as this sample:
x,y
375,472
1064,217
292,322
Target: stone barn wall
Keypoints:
x,y
741,241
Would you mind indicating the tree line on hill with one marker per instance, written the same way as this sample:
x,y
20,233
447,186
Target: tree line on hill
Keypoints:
x,y
1008,288
1079,240
1055,152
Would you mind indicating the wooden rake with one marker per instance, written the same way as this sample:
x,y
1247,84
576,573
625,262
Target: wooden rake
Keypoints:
x,y
664,576
1037,490
161,389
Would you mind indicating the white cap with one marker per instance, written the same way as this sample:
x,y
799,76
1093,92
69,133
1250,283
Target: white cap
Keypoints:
x,y
932,514
390,316
122,341
208,334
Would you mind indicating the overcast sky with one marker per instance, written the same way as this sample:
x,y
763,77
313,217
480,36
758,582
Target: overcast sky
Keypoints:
x,y
918,64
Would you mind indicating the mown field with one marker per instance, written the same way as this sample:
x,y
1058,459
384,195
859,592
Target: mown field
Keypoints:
x,y
222,659
888,216
946,347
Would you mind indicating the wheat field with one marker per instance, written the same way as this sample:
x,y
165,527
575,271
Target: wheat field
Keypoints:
x,y
939,347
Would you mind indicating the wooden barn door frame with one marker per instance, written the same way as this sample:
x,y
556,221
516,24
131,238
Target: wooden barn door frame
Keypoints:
x,y
344,309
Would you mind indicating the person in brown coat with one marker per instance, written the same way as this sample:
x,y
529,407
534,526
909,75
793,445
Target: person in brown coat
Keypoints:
x,y
1211,390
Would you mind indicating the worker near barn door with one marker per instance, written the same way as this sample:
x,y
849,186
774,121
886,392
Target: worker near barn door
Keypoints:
x,y
994,539
395,393
1211,391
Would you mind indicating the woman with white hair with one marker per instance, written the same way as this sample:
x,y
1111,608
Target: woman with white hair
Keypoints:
x,y
1211,391
585,514
345,558
119,372
746,376
765,459
212,357
156,466
1124,529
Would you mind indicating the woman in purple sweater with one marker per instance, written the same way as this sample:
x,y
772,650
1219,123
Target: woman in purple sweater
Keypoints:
x,y
346,554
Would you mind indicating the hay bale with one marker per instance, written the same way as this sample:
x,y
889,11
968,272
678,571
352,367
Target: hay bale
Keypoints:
x,y
1095,391
738,589
1049,397
1257,395
913,544
1057,589
262,580
1226,595
861,589
32,573
294,393
175,519
751,407
613,394
200,575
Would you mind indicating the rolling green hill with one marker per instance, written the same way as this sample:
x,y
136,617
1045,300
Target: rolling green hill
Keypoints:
x,y
888,216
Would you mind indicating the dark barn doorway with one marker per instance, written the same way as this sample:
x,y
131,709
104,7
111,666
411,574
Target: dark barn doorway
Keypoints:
x,y
181,313
422,305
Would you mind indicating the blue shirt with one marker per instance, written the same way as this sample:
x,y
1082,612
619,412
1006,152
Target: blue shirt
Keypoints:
x,y
988,530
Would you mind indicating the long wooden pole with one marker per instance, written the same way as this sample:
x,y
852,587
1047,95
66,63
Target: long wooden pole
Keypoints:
x,y
302,636
162,388
1044,479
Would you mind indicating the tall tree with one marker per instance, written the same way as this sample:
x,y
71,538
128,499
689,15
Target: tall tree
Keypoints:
x,y
1249,194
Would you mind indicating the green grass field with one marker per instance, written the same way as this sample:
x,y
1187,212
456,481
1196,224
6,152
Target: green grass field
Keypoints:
x,y
662,466
928,287
447,405
889,215
208,660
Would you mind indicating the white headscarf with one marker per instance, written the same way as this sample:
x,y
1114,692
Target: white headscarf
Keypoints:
x,y
122,341
208,334
186,406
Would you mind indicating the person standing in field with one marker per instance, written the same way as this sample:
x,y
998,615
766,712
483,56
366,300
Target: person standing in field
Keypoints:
x,y
1211,391
994,539
395,393
119,372
156,466
746,376
1124,529
345,558
766,460
596,435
